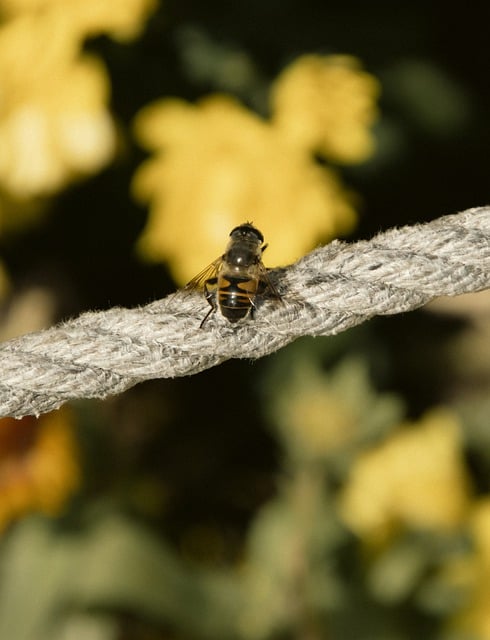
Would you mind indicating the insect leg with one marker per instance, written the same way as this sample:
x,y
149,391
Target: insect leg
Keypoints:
x,y
210,295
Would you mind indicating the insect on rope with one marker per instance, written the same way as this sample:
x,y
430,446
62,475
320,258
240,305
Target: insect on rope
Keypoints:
x,y
333,288
233,281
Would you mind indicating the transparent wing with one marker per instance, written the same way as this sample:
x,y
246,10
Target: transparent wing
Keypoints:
x,y
211,271
268,289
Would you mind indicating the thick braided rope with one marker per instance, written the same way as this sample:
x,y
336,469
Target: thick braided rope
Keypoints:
x,y
329,290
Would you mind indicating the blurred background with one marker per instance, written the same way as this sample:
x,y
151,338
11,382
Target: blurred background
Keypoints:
x,y
338,489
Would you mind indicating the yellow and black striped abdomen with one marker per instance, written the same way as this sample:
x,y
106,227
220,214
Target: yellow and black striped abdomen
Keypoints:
x,y
236,296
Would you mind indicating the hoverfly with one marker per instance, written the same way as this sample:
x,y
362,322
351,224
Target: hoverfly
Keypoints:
x,y
234,280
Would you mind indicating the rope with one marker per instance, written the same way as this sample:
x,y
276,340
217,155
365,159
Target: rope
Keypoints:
x,y
329,290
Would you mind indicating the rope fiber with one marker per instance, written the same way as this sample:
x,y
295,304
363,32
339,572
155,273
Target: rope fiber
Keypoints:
x,y
331,289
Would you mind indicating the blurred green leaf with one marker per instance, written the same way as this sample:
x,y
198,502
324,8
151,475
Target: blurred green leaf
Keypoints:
x,y
50,574
429,96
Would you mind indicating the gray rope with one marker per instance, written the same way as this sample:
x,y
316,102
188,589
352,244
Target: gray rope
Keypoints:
x,y
329,290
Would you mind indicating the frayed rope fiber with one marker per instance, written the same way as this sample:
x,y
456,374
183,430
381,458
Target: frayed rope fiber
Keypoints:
x,y
331,289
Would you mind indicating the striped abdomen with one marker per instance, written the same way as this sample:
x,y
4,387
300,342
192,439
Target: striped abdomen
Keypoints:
x,y
236,296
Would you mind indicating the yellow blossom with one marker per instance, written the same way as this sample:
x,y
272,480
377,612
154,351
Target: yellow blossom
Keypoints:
x,y
217,165
416,478
472,574
313,413
479,528
321,414
39,466
30,309
54,122
326,104
122,19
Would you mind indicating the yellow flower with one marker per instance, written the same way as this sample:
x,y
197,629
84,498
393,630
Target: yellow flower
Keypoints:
x,y
39,466
314,412
30,309
479,528
122,19
54,122
415,479
319,414
316,419
327,104
217,165
472,575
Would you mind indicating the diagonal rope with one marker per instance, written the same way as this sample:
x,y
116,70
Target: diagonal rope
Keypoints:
x,y
329,290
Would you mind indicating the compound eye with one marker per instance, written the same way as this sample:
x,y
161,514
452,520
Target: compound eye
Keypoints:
x,y
249,230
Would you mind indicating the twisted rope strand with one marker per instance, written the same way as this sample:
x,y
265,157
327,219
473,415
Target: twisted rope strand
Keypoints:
x,y
329,290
